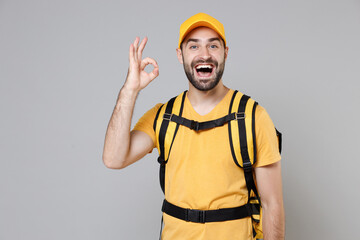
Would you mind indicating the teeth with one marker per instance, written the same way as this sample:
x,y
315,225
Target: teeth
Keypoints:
x,y
203,66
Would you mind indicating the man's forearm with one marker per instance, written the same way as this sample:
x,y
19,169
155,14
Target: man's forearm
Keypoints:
x,y
274,222
117,138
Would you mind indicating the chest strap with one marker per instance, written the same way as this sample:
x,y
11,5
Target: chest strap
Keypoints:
x,y
197,126
203,216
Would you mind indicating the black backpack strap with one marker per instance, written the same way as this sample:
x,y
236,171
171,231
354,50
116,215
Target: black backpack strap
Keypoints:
x,y
204,216
197,126
163,143
161,133
247,164
243,148
279,136
242,131
157,117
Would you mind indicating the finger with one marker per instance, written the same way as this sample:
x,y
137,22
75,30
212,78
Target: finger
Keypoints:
x,y
136,43
154,73
131,53
147,61
141,48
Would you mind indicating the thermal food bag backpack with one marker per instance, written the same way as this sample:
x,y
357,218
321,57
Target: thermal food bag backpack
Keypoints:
x,y
241,125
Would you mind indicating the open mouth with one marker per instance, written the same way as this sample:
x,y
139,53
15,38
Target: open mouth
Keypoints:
x,y
204,70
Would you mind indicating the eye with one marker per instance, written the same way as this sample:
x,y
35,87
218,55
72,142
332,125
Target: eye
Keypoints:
x,y
213,46
193,47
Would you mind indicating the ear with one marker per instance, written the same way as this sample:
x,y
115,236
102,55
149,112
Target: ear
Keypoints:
x,y
179,55
226,52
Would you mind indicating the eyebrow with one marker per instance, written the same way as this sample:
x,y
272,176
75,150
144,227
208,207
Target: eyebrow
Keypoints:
x,y
197,40
214,39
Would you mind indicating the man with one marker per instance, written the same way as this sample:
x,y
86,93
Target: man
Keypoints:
x,y
200,172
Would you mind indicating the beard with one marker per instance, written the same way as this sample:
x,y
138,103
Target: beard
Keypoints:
x,y
209,83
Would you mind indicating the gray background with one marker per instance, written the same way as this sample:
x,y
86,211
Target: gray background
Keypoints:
x,y
62,64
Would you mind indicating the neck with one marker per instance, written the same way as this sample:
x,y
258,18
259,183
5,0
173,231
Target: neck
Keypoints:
x,y
204,101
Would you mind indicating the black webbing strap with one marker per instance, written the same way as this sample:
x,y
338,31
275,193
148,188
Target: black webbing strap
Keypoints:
x,y
162,134
229,127
161,226
203,216
177,126
279,135
156,117
242,133
253,131
197,126
161,158
247,165
163,128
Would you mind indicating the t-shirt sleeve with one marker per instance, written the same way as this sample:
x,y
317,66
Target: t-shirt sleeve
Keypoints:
x,y
267,147
146,122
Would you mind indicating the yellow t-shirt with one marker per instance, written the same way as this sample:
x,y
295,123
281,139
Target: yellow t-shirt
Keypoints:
x,y
201,173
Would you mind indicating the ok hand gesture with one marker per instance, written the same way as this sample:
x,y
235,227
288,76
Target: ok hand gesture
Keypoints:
x,y
137,78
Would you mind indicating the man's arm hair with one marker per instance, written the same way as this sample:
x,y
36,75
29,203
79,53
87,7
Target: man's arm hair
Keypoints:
x,y
122,147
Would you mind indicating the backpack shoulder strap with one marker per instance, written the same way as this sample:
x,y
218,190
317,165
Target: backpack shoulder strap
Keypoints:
x,y
166,131
243,149
242,131
279,137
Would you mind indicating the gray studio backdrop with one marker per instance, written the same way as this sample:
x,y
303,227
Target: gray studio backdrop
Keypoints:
x,y
62,64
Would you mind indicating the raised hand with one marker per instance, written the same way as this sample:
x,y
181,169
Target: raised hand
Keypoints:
x,y
137,78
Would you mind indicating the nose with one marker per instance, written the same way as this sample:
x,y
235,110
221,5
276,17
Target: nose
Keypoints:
x,y
204,53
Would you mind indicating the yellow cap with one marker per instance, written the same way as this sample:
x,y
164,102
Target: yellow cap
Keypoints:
x,y
201,20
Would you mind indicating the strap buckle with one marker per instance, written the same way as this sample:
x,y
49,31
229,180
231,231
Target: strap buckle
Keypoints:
x,y
254,208
240,115
194,125
193,215
161,161
247,166
167,116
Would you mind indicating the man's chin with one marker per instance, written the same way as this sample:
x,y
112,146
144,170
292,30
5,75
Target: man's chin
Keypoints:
x,y
204,84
